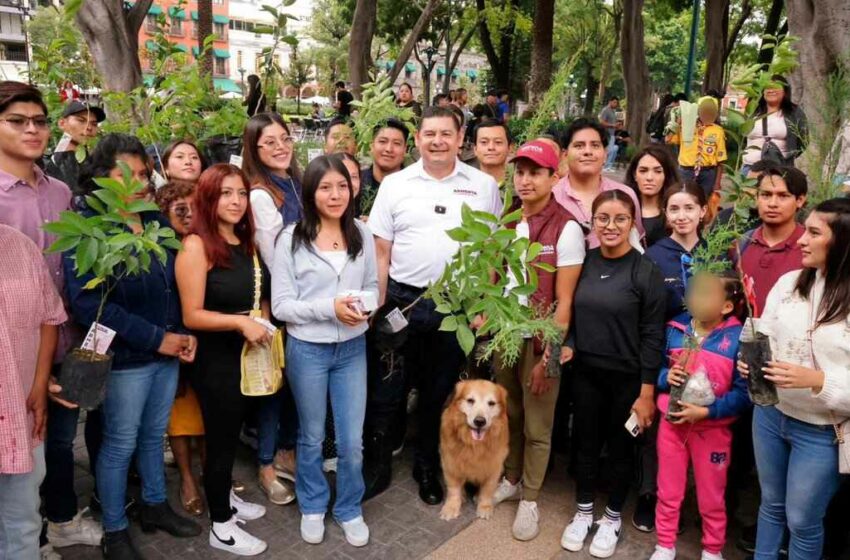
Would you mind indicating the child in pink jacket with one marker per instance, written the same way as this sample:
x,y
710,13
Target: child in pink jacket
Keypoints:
x,y
704,341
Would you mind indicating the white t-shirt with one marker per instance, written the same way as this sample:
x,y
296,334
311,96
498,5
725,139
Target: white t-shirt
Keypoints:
x,y
268,223
413,210
776,130
570,250
337,259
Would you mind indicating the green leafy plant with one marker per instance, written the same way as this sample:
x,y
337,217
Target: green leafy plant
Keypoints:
x,y
103,243
553,99
475,283
712,254
271,73
377,104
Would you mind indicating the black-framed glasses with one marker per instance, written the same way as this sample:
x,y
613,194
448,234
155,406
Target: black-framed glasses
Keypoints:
x,y
620,220
20,122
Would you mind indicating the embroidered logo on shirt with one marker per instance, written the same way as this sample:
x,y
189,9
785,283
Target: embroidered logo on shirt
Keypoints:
x,y
547,250
604,276
465,192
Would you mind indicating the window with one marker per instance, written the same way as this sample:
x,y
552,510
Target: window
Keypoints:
x,y
258,62
219,30
16,52
176,27
194,30
220,68
150,23
733,103
240,25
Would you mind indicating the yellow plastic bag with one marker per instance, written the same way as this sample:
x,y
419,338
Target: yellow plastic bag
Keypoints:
x,y
262,364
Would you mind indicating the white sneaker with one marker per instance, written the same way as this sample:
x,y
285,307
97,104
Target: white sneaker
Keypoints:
x,y
231,537
356,531
329,465
246,511
313,528
46,552
506,492
576,532
706,555
526,525
662,553
604,542
79,530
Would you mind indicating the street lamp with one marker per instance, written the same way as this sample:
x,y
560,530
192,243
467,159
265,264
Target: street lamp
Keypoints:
x,y
242,79
430,51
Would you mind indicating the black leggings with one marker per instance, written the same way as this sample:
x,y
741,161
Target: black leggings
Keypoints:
x,y
602,405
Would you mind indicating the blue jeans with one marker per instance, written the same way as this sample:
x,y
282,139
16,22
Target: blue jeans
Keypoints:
x,y
706,178
268,417
612,148
20,521
313,371
135,416
797,466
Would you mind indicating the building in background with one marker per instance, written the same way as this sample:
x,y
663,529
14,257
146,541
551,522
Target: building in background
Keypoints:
x,y
182,30
14,46
466,74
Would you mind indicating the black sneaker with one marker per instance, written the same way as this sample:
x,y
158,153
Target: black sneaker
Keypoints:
x,y
747,540
117,545
644,516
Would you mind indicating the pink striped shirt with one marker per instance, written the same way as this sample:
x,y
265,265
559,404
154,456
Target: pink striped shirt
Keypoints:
x,y
28,300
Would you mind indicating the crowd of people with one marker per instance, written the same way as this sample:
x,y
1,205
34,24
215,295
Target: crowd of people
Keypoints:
x,y
307,249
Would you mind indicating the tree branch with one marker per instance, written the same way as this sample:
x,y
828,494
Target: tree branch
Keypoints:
x,y
463,44
746,12
418,28
484,35
137,14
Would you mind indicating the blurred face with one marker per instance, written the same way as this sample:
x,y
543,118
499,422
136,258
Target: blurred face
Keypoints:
x,y
354,173
774,94
139,171
443,102
332,195
80,126
706,298
276,147
684,214
533,183
586,153
815,242
404,94
340,139
233,201
776,205
388,148
612,222
491,100
180,215
184,163
649,176
438,140
707,113
491,146
24,131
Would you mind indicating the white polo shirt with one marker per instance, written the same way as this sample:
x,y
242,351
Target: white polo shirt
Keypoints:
x,y
414,211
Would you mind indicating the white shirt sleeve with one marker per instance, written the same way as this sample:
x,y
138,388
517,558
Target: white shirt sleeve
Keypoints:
x,y
268,223
571,245
496,202
381,216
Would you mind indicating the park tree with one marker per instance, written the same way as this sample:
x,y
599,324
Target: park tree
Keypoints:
x,y
541,51
635,70
498,25
298,74
721,36
329,28
111,31
205,29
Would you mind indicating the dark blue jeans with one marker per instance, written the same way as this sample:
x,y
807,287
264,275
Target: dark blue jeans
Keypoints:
x,y
706,178
798,472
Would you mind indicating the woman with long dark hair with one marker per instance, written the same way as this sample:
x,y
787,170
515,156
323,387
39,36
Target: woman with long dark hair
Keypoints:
x,y
807,318
780,121
618,340
325,281
182,161
216,276
256,99
650,173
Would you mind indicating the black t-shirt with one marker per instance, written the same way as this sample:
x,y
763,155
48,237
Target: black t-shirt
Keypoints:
x,y
655,229
345,98
618,317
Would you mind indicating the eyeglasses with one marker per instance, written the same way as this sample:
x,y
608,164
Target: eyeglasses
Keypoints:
x,y
620,220
181,210
286,142
20,122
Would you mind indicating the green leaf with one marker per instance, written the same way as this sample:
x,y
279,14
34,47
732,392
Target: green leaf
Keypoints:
x,y
63,244
533,250
465,337
95,204
459,234
524,290
138,206
93,283
86,255
61,228
449,323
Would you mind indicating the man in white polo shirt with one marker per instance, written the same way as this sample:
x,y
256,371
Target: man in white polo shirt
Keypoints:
x,y
409,219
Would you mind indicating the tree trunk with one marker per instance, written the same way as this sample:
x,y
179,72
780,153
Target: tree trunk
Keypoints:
x,y
541,51
205,29
453,57
360,43
635,70
822,28
498,56
415,33
771,28
716,39
112,35
592,87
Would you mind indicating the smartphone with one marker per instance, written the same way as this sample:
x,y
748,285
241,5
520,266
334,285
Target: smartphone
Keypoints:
x,y
632,425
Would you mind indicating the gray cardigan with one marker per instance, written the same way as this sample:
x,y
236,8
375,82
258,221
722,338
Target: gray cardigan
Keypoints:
x,y
305,284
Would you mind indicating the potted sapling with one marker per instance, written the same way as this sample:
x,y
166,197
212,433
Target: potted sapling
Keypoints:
x,y
102,243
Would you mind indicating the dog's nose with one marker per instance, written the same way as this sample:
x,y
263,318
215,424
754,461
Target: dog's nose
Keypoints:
x,y
479,422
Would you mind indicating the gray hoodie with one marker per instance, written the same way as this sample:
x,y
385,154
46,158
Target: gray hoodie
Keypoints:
x,y
305,285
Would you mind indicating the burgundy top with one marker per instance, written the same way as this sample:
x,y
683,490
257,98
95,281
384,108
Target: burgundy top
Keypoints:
x,y
766,264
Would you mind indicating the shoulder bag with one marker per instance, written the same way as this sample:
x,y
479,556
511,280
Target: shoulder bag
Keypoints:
x,y
261,363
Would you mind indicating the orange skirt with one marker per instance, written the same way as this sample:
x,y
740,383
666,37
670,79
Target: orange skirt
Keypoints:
x,y
186,417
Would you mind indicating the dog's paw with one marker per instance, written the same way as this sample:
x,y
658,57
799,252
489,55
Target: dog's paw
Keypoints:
x,y
450,511
484,511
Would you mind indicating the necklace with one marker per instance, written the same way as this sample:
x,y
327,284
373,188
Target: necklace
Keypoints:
x,y
336,245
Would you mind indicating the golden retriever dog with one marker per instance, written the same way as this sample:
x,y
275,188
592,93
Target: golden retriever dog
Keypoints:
x,y
473,444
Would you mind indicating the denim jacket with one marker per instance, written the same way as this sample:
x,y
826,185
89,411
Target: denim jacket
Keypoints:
x,y
141,308
305,285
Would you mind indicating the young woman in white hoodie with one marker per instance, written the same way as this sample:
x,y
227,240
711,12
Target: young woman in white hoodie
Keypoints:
x,y
324,274
807,318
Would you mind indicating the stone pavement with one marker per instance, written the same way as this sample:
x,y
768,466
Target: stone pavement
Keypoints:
x,y
401,526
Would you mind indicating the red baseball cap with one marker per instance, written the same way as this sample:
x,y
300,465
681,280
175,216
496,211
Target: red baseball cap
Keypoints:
x,y
539,152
